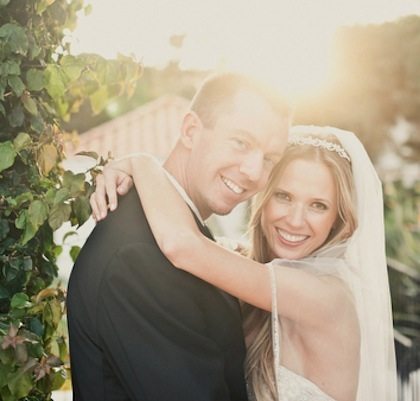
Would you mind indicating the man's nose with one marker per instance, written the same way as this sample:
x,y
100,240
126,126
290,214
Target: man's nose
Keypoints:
x,y
253,165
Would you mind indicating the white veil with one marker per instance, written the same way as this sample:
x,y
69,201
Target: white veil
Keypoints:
x,y
365,254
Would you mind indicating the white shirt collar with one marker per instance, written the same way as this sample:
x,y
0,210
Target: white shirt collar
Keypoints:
x,y
184,196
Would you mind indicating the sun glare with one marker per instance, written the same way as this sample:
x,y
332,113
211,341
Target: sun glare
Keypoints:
x,y
287,44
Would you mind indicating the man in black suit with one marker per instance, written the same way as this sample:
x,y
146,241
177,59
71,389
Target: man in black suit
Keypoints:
x,y
141,329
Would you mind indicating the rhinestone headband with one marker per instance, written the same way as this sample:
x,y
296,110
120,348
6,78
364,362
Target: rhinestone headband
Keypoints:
x,y
319,143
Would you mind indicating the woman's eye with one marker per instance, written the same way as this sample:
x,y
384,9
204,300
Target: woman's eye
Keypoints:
x,y
320,206
282,196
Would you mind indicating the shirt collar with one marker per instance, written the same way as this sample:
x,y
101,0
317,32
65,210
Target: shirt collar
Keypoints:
x,y
184,196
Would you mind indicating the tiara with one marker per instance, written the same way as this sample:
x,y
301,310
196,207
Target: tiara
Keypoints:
x,y
319,143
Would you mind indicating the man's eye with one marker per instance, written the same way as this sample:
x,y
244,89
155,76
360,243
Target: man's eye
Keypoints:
x,y
270,161
239,143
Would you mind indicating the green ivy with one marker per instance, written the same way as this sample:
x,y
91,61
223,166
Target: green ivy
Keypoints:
x,y
41,85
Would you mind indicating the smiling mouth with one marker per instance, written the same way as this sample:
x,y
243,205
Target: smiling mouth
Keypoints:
x,y
291,238
232,186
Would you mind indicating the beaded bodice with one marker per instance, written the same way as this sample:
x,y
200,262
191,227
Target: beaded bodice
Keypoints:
x,y
293,387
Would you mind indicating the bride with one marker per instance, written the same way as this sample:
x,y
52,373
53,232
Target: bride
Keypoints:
x,y
317,312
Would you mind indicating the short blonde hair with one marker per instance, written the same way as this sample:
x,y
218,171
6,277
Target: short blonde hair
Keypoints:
x,y
216,95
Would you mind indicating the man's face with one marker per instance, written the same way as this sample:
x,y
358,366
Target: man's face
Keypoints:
x,y
232,161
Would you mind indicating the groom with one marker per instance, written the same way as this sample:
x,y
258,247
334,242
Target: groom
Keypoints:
x,y
140,329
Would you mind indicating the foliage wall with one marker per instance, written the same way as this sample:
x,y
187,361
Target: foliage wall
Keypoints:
x,y
375,79
41,85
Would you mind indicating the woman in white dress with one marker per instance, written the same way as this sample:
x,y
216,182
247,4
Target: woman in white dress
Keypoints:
x,y
317,310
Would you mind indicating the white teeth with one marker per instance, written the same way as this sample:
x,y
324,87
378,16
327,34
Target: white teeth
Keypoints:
x,y
232,186
291,237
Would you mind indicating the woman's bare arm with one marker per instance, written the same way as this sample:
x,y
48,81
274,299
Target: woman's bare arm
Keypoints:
x,y
302,296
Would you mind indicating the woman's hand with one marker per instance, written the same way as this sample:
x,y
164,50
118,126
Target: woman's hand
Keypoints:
x,y
115,180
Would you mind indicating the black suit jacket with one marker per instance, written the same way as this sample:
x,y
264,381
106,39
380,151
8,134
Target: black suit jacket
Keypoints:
x,y
141,329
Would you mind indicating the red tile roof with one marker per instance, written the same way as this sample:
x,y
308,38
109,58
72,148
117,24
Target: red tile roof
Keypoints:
x,y
151,128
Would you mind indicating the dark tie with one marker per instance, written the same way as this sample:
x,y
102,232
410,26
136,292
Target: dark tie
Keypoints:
x,y
206,231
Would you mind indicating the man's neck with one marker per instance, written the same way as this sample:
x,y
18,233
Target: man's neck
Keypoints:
x,y
177,168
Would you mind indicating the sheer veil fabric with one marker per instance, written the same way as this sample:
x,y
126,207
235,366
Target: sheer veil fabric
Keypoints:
x,y
361,263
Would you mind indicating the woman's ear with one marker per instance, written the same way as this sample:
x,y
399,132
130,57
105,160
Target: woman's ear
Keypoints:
x,y
191,126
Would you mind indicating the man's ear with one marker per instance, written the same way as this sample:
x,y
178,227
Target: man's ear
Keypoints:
x,y
191,126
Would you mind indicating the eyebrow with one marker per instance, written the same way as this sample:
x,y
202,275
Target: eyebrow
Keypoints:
x,y
243,132
280,189
251,138
322,200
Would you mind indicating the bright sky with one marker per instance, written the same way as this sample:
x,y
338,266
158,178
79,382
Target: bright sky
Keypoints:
x,y
285,42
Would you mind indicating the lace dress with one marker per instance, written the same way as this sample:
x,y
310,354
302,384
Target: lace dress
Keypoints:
x,y
293,387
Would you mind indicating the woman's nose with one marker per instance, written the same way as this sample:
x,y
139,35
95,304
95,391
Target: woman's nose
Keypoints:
x,y
296,215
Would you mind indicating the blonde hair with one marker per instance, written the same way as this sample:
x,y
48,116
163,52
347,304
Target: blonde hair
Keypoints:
x,y
260,360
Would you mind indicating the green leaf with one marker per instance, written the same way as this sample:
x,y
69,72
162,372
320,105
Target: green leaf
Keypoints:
x,y
20,301
4,370
52,313
20,383
36,326
16,85
99,99
42,5
55,82
16,117
15,37
81,209
20,221
75,183
22,198
61,195
74,252
7,155
38,124
37,213
28,234
22,141
4,229
58,379
57,250
4,3
72,67
34,48
69,234
92,155
9,67
62,348
27,264
35,79
59,214
30,105
4,294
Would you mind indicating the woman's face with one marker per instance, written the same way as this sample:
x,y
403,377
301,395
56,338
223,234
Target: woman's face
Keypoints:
x,y
298,217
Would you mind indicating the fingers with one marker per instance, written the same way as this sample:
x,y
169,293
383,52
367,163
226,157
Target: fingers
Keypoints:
x,y
125,185
110,182
98,199
94,206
